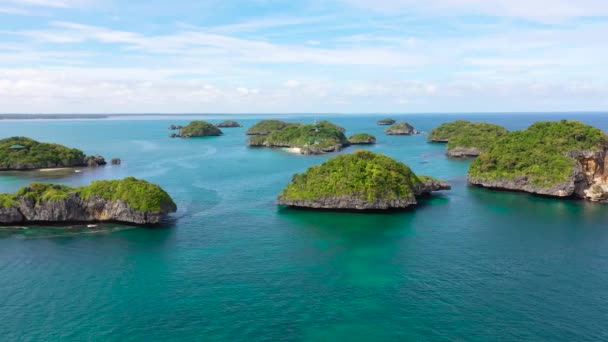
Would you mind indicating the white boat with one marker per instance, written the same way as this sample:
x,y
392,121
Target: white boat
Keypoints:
x,y
91,225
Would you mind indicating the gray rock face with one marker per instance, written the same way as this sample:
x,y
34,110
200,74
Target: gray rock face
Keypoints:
x,y
461,152
350,203
430,185
312,149
588,180
76,209
354,202
93,161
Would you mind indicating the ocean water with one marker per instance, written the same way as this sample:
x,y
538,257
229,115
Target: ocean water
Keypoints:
x,y
466,265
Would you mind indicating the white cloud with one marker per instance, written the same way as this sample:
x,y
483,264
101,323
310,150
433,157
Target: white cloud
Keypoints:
x,y
198,43
46,3
543,10
292,84
247,91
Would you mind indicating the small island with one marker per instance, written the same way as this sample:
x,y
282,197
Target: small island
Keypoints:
x,y
21,154
362,139
129,200
228,124
199,129
401,128
360,181
386,122
465,138
559,159
319,138
266,127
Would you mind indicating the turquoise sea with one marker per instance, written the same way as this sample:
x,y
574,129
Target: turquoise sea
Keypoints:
x,y
466,265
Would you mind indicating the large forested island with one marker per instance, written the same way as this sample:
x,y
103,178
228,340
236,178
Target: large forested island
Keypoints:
x,y
266,127
21,153
199,129
129,200
360,181
561,159
465,138
317,138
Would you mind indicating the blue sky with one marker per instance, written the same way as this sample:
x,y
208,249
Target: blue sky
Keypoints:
x,y
277,56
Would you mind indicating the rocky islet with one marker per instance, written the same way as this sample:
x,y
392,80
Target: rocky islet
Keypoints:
x,y
129,200
362,180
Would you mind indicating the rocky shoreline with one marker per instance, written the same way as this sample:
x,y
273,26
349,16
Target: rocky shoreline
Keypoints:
x,y
354,202
360,181
57,204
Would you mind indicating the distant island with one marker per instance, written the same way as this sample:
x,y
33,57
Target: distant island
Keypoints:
x,y
21,153
465,138
386,122
129,200
362,139
196,129
360,181
51,116
228,124
401,128
559,159
318,138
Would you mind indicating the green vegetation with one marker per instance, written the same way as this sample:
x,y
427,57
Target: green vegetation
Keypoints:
x,y
362,138
137,194
386,121
44,192
370,176
7,200
331,124
539,152
266,127
199,129
462,133
445,131
321,135
32,154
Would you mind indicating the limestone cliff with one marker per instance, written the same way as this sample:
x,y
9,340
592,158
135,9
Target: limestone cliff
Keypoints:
x,y
129,200
559,159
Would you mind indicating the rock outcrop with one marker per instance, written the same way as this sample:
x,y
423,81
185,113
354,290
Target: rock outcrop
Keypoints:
x,y
129,201
116,161
462,152
557,159
93,161
359,181
401,128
